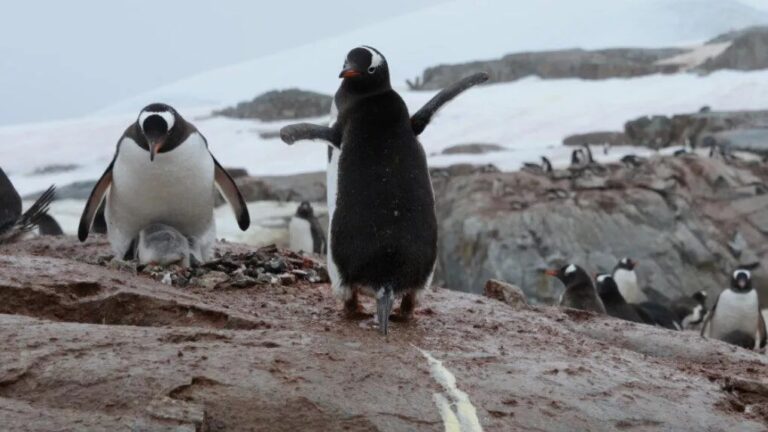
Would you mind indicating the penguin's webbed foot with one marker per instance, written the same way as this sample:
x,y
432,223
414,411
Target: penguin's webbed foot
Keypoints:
x,y
407,307
353,310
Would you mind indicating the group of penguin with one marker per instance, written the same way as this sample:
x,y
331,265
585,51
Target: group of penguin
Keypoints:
x,y
157,195
735,318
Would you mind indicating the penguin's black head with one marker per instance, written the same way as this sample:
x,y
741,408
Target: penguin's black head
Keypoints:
x,y
627,264
606,286
305,210
741,280
365,70
570,274
158,123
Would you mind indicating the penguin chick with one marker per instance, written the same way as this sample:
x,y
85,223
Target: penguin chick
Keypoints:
x,y
735,318
163,245
305,231
614,303
579,292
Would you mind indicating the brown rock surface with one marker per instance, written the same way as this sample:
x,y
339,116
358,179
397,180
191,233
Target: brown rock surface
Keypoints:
x,y
90,346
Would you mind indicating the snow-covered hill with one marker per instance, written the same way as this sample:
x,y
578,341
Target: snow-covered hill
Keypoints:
x,y
528,117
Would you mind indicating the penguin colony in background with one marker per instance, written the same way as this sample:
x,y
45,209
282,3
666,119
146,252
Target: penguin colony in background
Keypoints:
x,y
155,202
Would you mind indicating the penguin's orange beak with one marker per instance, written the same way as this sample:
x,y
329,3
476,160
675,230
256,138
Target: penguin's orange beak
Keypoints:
x,y
551,272
154,147
349,73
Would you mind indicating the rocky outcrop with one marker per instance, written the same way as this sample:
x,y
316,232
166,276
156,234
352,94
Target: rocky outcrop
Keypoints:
x,y
676,215
737,130
288,104
69,362
474,148
573,63
298,187
597,138
748,50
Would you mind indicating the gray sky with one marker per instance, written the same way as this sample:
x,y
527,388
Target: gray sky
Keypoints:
x,y
62,59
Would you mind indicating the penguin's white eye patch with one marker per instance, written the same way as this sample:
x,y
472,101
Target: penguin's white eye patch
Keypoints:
x,y
601,278
570,269
167,116
746,274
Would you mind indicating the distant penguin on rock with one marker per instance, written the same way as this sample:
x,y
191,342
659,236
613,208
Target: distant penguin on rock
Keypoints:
x,y
580,292
305,232
626,279
736,318
163,245
13,223
162,172
383,229
615,305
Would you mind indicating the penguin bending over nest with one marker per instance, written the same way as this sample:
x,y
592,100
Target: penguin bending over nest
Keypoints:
x,y
383,229
580,292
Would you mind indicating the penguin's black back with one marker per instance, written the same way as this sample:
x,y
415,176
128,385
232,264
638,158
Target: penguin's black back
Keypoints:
x,y
657,314
619,308
10,203
384,228
583,296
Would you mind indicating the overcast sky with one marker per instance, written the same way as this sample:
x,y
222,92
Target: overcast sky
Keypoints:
x,y
63,59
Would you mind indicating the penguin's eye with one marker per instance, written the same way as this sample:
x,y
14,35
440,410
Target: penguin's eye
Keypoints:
x,y
371,69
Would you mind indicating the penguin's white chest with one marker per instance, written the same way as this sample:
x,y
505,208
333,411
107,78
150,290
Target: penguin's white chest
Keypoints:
x,y
176,189
300,233
626,280
735,312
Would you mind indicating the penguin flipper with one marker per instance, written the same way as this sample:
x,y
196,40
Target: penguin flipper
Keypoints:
x,y
762,339
421,119
308,131
231,192
98,194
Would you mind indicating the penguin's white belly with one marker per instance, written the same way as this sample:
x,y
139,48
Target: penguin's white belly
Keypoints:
x,y
176,189
735,312
300,233
627,283
331,181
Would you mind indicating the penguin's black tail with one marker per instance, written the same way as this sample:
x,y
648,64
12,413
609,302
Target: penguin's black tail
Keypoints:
x,y
32,217
385,299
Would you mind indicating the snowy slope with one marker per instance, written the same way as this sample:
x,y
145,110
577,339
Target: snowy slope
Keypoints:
x,y
529,117
464,30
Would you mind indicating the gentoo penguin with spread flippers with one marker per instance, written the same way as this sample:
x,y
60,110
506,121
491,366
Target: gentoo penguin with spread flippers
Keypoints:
x,y
163,245
383,230
735,318
626,278
13,223
614,302
305,232
580,292
162,172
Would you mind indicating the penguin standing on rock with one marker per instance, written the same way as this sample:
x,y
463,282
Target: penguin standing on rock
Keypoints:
x,y
13,223
615,305
383,228
735,318
580,292
305,232
626,278
162,172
